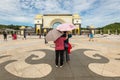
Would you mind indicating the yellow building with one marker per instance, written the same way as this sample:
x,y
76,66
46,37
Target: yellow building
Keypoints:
x,y
22,30
46,22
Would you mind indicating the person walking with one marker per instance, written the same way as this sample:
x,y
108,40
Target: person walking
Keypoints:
x,y
45,38
5,35
39,35
59,50
91,36
15,36
24,35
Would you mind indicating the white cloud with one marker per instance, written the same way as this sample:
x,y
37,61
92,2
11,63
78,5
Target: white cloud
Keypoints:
x,y
82,5
10,11
104,13
92,12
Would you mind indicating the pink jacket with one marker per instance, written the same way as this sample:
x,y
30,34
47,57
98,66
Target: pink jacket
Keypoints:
x,y
59,43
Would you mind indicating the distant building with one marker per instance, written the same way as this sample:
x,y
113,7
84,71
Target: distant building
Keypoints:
x,y
9,31
22,30
28,30
46,22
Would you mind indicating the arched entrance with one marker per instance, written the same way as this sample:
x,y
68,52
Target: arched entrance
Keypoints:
x,y
56,24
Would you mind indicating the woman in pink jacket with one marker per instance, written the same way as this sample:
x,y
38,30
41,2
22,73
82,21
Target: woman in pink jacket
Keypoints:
x,y
59,50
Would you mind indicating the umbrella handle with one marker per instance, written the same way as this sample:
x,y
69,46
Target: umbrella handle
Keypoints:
x,y
60,31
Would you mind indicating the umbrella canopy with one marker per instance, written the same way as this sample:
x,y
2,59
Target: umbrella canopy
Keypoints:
x,y
53,35
66,27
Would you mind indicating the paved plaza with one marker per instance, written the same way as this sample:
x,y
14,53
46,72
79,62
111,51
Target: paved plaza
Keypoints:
x,y
31,59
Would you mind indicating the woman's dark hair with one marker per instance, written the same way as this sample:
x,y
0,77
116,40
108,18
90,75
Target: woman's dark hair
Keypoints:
x,y
64,35
65,32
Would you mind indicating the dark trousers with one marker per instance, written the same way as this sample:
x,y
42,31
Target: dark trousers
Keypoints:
x,y
5,37
45,41
59,54
67,55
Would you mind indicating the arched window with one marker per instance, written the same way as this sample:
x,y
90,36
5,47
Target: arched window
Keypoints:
x,y
55,24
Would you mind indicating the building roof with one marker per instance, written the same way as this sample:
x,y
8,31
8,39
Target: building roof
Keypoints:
x,y
92,26
57,14
22,27
76,16
38,16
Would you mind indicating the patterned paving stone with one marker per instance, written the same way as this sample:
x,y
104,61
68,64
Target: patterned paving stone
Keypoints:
x,y
33,60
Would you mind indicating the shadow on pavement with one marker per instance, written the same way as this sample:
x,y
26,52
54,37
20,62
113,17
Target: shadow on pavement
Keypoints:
x,y
4,56
77,69
117,58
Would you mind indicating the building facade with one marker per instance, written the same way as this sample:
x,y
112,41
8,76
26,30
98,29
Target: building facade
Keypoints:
x,y
46,22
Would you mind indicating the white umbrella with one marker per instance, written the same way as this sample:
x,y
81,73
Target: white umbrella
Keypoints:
x,y
53,35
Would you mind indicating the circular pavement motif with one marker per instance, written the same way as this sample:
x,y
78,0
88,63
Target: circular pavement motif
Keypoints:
x,y
22,69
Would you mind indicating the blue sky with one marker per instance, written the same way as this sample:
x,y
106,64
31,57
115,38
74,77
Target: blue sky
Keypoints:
x,y
93,12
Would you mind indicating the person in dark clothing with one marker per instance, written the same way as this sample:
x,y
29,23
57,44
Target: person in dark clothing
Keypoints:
x,y
66,46
45,38
24,34
5,35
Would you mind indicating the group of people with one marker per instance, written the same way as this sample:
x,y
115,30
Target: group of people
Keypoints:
x,y
62,47
14,35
